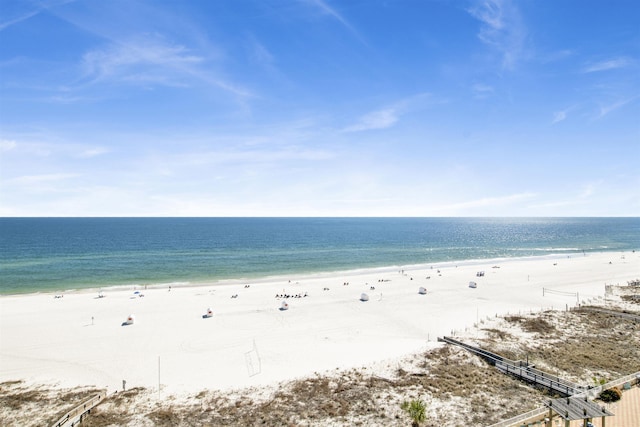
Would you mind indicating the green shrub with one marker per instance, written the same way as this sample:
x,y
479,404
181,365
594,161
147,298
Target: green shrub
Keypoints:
x,y
416,409
611,395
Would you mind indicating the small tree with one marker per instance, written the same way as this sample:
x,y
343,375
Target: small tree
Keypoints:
x,y
416,410
611,395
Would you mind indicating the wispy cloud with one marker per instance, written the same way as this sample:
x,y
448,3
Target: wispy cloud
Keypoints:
x,y
39,179
152,61
17,19
606,109
259,54
250,157
32,9
482,91
92,152
128,60
559,116
380,119
386,117
52,146
488,202
609,64
501,29
589,189
7,145
559,55
328,10
587,192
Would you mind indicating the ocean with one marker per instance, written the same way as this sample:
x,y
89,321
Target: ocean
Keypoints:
x,y
57,254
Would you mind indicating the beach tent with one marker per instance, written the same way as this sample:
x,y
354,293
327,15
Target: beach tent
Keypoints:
x,y
130,320
422,290
364,297
473,285
284,306
209,313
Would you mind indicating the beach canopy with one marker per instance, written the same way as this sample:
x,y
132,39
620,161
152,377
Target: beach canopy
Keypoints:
x,y
364,297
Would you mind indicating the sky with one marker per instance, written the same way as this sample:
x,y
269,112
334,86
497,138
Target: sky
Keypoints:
x,y
319,108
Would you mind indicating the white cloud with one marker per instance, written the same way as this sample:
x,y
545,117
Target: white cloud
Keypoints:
x,y
575,200
387,117
21,11
121,61
7,145
322,5
482,91
559,116
93,152
260,54
589,189
270,155
559,55
610,64
487,202
17,19
501,29
606,109
380,119
38,179
152,61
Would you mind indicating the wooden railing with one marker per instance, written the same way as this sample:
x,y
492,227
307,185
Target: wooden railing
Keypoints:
x,y
536,376
592,392
521,369
74,416
491,357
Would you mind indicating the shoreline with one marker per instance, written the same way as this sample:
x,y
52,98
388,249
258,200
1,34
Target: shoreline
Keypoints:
x,y
249,341
269,279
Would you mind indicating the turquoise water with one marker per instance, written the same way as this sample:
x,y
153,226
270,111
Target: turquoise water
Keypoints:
x,y
50,254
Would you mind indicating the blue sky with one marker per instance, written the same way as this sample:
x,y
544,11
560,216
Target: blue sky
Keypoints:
x,y
319,108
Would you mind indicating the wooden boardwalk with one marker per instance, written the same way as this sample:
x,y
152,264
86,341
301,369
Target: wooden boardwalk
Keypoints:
x,y
616,313
522,370
626,411
75,416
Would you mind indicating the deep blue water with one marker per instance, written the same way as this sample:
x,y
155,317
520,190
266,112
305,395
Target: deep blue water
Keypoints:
x,y
49,254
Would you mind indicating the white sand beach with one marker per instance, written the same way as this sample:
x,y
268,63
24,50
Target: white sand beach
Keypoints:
x,y
79,338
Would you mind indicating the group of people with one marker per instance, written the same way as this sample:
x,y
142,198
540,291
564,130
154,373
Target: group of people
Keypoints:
x,y
285,295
